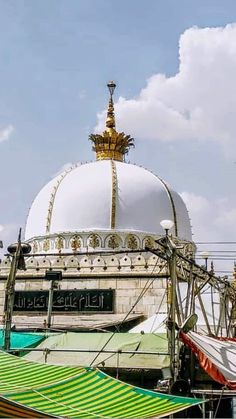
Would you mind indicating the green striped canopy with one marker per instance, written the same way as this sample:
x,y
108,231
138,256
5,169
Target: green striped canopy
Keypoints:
x,y
29,389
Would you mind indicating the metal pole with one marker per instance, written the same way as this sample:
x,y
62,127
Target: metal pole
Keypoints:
x,y
173,277
204,407
9,297
50,302
107,351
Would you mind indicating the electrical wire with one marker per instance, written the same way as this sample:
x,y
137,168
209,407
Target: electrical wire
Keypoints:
x,y
217,251
217,258
224,272
218,404
215,242
143,291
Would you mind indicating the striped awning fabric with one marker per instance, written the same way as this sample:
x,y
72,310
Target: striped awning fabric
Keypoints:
x,y
216,356
29,389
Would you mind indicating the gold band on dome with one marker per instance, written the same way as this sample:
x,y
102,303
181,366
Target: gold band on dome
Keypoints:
x,y
173,206
113,194
52,199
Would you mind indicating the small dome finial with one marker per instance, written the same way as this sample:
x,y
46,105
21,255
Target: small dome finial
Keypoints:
x,y
111,144
110,121
111,86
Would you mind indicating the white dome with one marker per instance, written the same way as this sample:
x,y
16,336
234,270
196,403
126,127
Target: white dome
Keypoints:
x,y
83,199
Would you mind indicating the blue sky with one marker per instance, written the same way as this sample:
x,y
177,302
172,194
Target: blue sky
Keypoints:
x,y
55,59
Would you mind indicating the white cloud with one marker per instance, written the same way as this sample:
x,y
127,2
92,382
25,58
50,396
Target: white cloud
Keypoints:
x,y
6,132
213,220
198,103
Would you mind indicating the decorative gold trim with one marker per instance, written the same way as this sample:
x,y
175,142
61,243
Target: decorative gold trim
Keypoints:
x,y
75,243
111,144
113,194
52,199
132,242
46,245
114,241
173,206
59,243
109,155
149,242
94,241
35,247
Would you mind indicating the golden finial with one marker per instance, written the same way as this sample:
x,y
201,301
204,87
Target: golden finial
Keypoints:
x,y
110,121
111,144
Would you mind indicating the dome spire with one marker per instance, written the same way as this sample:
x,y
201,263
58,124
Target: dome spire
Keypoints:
x,y
111,145
110,121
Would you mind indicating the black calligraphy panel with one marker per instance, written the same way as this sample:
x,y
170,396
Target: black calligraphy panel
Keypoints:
x,y
65,300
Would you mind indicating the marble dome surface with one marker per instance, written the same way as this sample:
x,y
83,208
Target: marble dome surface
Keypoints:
x,y
84,198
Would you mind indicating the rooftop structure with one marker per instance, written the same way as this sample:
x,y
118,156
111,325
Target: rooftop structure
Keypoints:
x,y
93,223
105,197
